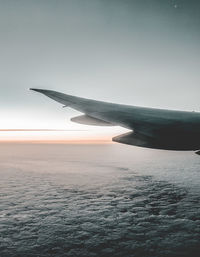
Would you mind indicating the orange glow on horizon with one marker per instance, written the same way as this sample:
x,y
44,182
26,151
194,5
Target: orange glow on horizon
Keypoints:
x,y
83,141
39,136
48,136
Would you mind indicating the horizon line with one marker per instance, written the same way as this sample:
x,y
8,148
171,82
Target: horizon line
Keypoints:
x,y
38,130
82,141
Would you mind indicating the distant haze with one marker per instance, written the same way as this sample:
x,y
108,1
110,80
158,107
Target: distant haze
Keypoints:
x,y
136,52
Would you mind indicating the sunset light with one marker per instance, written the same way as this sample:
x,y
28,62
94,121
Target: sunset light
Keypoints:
x,y
99,128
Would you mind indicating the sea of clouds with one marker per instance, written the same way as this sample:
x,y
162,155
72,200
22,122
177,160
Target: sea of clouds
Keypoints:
x,y
56,202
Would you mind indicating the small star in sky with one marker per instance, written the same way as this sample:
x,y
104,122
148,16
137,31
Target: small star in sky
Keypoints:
x,y
174,4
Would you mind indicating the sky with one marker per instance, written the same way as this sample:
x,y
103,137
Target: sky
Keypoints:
x,y
137,52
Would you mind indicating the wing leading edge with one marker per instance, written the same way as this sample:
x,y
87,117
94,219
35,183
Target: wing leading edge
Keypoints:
x,y
152,128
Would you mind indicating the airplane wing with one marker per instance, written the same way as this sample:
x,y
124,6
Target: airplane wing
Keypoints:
x,y
152,128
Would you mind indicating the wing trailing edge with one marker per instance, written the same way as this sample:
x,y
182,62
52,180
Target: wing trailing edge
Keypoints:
x,y
135,139
162,143
87,120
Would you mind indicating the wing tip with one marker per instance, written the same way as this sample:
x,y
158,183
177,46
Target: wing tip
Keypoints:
x,y
38,90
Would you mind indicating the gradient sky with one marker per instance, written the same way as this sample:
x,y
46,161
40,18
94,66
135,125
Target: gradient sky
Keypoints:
x,y
138,52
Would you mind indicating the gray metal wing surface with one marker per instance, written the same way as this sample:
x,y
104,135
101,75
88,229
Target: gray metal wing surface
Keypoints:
x,y
152,128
